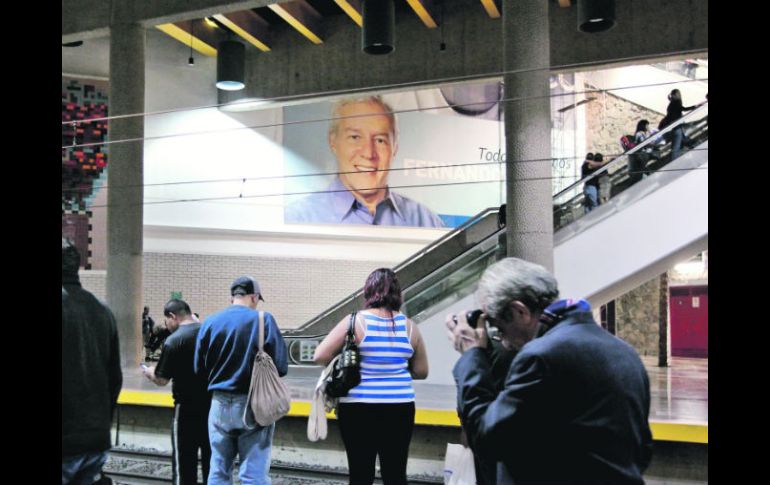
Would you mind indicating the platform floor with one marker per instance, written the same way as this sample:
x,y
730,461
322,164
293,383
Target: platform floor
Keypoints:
x,y
679,393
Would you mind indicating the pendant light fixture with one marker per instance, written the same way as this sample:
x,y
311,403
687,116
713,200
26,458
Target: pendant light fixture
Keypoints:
x,y
379,26
231,57
595,15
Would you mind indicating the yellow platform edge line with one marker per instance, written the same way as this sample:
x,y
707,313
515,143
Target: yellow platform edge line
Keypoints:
x,y
184,37
145,398
687,433
683,432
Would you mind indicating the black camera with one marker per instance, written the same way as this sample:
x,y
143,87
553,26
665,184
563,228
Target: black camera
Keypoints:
x,y
473,317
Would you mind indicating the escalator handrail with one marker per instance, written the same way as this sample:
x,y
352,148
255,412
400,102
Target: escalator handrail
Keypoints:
x,y
622,158
458,230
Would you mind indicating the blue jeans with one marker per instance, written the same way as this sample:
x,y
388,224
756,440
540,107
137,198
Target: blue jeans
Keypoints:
x,y
679,138
591,194
83,469
229,437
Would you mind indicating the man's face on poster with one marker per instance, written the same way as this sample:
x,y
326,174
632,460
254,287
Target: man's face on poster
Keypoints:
x,y
364,147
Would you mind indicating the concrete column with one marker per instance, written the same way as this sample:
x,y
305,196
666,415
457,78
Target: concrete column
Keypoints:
x,y
125,187
526,57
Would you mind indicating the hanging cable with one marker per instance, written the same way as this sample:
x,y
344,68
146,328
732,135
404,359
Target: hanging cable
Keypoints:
x,y
325,119
422,83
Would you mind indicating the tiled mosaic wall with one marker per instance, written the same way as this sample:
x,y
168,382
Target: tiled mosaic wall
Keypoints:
x,y
82,166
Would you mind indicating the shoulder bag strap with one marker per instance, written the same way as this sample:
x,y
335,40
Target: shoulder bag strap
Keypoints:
x,y
261,331
351,335
247,410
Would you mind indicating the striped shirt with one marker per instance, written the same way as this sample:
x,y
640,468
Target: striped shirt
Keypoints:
x,y
385,353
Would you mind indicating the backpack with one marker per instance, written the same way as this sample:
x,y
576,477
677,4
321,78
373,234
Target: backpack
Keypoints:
x,y
627,142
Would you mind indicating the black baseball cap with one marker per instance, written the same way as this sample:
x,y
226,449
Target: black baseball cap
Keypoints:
x,y
246,285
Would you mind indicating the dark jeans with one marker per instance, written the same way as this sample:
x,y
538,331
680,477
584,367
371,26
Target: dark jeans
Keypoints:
x,y
679,139
82,469
188,434
636,166
369,430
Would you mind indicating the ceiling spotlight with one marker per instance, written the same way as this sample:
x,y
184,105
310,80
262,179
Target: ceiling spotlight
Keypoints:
x,y
595,15
379,26
231,57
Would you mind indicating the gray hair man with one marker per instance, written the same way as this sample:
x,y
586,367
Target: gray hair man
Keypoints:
x,y
575,404
363,139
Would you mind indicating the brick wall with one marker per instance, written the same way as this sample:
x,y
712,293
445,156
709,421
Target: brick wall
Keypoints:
x,y
295,289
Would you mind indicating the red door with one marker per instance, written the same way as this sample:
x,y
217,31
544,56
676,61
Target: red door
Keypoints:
x,y
689,321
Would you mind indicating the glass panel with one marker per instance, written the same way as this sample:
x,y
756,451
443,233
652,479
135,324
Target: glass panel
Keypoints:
x,y
630,167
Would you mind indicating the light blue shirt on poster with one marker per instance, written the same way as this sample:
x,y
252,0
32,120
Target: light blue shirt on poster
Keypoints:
x,y
338,206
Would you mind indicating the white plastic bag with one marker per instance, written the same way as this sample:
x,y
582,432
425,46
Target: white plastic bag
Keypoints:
x,y
458,465
320,405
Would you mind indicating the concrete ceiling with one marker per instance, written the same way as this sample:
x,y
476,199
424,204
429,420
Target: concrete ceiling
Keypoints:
x,y
308,19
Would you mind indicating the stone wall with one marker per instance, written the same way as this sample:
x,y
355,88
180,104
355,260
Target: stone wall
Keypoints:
x,y
637,315
609,117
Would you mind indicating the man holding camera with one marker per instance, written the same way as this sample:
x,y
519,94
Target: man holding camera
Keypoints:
x,y
575,404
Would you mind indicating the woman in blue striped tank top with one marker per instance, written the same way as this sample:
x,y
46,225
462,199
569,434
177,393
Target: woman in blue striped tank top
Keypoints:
x,y
377,416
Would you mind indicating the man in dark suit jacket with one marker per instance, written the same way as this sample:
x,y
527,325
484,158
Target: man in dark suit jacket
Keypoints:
x,y
576,400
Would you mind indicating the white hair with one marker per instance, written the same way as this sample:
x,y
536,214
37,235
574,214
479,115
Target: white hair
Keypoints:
x,y
336,117
515,279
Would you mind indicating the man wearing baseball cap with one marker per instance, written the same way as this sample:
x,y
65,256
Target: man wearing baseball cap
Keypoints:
x,y
224,353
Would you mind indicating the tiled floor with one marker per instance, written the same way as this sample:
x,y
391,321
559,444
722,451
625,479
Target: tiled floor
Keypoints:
x,y
679,393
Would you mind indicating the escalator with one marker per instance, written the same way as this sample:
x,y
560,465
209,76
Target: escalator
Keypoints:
x,y
444,275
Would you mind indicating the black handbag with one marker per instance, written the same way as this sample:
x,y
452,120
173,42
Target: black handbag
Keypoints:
x,y
347,371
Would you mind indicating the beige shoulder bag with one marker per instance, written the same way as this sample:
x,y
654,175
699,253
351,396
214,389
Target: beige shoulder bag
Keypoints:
x,y
269,398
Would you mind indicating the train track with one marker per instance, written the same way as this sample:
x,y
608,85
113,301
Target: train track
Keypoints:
x,y
136,467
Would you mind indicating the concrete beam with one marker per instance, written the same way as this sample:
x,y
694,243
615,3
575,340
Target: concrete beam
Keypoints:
x,y
645,29
473,49
250,26
83,19
353,9
425,11
492,8
204,37
302,17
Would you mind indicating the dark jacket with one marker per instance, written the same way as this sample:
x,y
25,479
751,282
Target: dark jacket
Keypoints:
x,y
574,408
90,370
674,111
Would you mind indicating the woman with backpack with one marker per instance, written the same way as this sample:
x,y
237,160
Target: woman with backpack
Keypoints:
x,y
638,161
